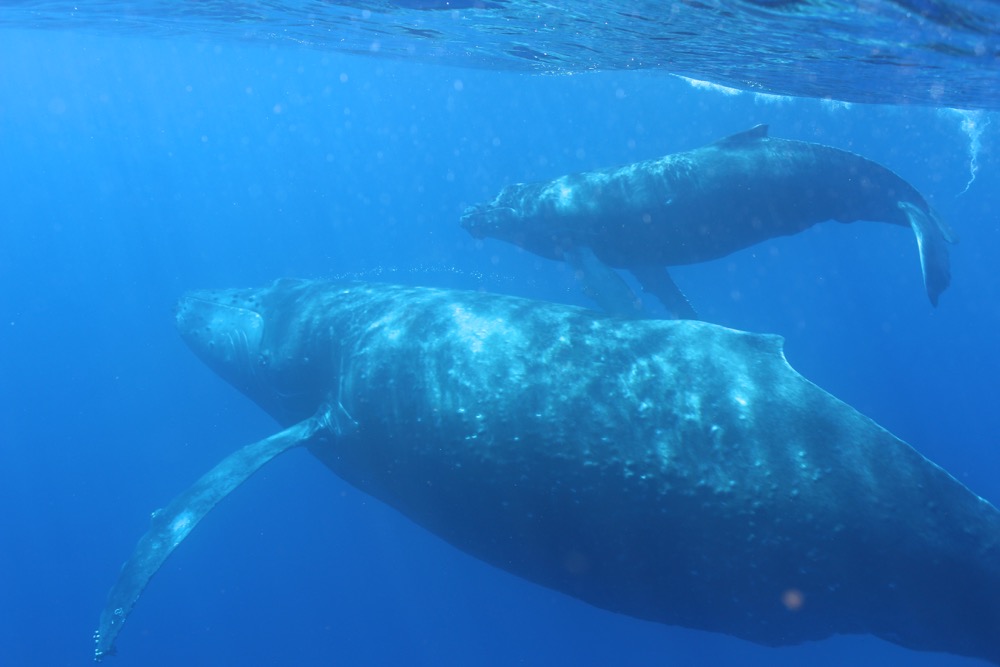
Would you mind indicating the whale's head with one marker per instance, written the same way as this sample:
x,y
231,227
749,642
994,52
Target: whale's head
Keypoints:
x,y
508,218
225,328
238,334
543,218
491,220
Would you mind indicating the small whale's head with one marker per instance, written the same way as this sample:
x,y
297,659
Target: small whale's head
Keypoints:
x,y
491,220
514,216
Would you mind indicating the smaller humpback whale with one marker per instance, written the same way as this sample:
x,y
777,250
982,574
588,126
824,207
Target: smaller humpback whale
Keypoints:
x,y
701,205
672,470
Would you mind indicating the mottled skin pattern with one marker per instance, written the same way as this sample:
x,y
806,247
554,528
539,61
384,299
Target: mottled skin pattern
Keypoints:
x,y
707,203
674,471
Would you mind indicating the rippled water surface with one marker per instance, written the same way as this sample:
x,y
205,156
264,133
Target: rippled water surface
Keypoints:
x,y
907,51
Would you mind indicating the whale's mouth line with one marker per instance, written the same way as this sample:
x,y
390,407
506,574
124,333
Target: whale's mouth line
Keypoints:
x,y
482,219
470,215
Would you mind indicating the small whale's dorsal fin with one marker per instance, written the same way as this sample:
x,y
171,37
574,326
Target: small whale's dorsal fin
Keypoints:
x,y
746,136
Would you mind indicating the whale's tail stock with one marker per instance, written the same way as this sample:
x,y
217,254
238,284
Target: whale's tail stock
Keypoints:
x,y
932,234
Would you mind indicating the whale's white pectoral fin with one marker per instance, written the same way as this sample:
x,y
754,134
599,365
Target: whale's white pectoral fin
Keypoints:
x,y
657,281
932,235
602,284
173,523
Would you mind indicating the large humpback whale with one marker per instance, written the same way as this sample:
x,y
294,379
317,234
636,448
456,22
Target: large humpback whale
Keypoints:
x,y
675,471
700,205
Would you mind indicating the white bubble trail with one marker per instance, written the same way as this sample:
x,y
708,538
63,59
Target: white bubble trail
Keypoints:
x,y
972,124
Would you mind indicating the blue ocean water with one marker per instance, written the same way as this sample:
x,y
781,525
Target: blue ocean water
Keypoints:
x,y
136,166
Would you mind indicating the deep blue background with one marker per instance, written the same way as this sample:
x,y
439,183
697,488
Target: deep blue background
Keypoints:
x,y
133,170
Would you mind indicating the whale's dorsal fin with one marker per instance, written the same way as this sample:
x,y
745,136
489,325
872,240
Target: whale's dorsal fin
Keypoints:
x,y
746,136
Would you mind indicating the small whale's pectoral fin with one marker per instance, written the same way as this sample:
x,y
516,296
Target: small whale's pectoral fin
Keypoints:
x,y
932,236
602,284
170,525
657,281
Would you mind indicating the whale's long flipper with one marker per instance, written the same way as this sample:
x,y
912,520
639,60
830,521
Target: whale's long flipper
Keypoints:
x,y
173,523
932,233
602,284
657,281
